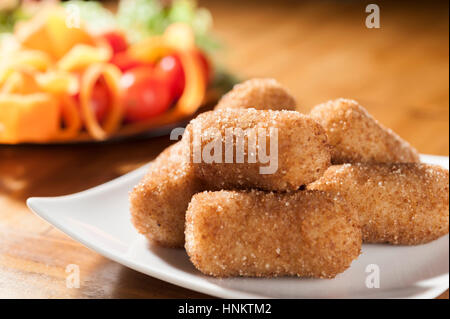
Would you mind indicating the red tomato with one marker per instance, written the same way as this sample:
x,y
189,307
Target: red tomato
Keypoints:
x,y
116,40
144,94
171,69
124,62
100,99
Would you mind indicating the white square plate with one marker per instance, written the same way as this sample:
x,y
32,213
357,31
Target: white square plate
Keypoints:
x,y
99,218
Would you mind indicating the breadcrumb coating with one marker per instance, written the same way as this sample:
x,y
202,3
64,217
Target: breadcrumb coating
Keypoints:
x,y
355,136
260,234
261,94
158,203
303,151
404,204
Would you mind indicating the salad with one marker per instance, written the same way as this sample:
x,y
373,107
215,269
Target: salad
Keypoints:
x,y
75,71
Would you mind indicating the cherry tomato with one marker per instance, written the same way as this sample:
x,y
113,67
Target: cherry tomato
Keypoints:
x,y
171,69
144,94
124,62
100,99
116,40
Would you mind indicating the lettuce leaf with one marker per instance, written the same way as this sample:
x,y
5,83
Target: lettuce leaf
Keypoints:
x,y
142,18
97,18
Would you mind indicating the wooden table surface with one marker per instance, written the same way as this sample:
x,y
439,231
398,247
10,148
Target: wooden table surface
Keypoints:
x,y
319,51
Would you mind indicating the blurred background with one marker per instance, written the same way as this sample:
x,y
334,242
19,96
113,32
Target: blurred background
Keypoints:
x,y
322,50
319,50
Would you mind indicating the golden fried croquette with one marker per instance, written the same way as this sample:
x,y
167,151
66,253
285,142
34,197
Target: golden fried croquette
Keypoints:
x,y
355,136
405,204
159,201
261,94
261,234
295,145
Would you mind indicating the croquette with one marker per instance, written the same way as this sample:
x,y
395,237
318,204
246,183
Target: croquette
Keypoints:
x,y
404,204
261,94
158,203
355,136
248,148
265,234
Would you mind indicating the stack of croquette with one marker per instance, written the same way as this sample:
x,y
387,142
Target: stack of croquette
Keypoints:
x,y
341,179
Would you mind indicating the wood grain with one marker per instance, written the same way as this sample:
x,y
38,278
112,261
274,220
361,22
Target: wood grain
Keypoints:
x,y
319,50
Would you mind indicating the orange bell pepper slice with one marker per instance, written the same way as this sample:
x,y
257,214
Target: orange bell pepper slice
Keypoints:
x,y
195,85
58,82
181,37
20,81
150,49
82,55
33,59
71,118
113,120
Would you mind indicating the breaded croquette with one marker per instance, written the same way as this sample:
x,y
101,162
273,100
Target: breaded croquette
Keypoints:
x,y
247,148
261,94
255,233
405,204
159,201
355,136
